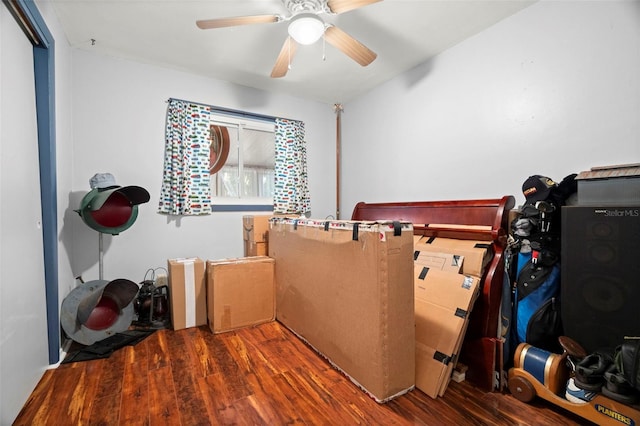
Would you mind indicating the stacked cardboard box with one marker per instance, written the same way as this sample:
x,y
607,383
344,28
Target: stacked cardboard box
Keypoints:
x,y
240,292
255,233
386,308
187,292
347,290
446,284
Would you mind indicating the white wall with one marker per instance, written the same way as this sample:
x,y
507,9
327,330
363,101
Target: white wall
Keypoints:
x,y
552,90
23,322
119,112
23,330
23,326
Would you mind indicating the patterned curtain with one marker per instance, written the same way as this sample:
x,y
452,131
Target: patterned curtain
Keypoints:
x,y
185,183
291,190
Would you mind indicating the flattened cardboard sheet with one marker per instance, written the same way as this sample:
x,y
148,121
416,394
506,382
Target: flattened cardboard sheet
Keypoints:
x,y
443,302
445,262
477,254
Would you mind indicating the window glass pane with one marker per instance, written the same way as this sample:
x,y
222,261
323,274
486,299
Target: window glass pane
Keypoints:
x,y
227,182
258,156
266,180
249,169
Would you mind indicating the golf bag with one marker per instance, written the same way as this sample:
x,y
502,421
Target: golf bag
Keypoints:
x,y
533,264
537,306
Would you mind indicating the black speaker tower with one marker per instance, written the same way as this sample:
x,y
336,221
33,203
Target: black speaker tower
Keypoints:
x,y
600,264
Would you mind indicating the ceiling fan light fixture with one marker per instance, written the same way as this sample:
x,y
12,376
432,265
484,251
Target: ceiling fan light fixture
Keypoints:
x,y
306,28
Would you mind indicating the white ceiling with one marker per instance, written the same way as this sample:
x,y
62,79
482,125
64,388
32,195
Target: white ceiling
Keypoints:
x,y
403,33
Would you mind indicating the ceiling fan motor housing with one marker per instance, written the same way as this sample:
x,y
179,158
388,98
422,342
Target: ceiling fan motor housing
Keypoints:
x,y
301,6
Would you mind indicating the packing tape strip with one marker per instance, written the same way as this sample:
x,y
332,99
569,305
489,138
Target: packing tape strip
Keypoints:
x,y
190,294
226,317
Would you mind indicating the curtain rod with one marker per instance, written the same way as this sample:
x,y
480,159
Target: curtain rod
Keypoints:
x,y
235,112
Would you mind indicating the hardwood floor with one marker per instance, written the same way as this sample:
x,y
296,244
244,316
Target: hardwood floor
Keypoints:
x,y
262,375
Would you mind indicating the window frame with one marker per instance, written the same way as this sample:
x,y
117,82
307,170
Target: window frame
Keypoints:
x,y
241,121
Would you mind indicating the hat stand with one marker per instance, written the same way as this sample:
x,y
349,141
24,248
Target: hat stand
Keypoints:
x,y
111,210
87,314
100,256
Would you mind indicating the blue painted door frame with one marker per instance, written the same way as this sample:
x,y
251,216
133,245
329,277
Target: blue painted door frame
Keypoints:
x,y
44,76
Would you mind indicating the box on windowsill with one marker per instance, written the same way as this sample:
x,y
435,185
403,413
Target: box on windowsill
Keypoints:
x,y
255,233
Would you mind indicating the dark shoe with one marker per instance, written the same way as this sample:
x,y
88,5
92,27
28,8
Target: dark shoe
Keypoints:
x,y
589,374
617,387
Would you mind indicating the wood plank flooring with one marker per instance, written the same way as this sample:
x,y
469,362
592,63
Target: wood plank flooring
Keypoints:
x,y
262,375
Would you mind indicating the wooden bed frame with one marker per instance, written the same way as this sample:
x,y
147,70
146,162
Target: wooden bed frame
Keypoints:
x,y
485,220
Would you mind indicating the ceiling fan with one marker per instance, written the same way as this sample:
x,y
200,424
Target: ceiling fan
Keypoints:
x,y
305,27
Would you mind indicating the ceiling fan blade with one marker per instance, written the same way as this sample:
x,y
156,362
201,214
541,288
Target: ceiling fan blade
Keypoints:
x,y
341,6
349,46
284,58
206,24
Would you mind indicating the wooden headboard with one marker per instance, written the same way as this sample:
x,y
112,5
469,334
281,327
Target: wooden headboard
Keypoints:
x,y
492,213
485,220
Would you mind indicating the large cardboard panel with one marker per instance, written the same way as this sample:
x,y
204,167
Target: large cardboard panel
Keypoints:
x,y
438,327
349,294
452,291
454,360
431,369
477,254
255,228
187,291
443,302
240,292
446,262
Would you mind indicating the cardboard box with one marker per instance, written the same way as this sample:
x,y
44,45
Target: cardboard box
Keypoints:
x,y
443,302
255,233
240,292
347,290
477,254
188,292
252,248
256,228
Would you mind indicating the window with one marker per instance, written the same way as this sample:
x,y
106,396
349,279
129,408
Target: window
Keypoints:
x,y
242,158
259,162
